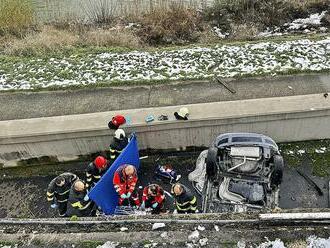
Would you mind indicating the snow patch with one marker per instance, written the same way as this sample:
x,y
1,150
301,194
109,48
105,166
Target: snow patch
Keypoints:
x,y
193,236
109,244
156,226
272,244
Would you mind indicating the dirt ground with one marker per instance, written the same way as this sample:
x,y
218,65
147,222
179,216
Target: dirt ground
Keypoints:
x,y
25,196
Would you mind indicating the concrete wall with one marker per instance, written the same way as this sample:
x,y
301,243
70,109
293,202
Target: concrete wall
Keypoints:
x,y
63,138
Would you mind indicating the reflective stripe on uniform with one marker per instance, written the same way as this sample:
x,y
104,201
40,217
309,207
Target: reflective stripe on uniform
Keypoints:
x,y
63,200
88,175
76,205
50,194
80,206
50,198
65,192
112,150
97,177
89,179
112,156
193,201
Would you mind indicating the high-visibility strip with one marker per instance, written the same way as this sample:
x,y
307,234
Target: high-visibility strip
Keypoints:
x,y
89,179
50,194
112,156
183,209
97,177
182,204
77,205
86,206
50,198
193,201
88,175
112,150
62,200
65,192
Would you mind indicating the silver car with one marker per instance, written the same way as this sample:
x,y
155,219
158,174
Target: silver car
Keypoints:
x,y
239,172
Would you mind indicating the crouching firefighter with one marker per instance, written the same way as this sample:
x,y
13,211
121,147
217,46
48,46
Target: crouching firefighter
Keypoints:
x,y
95,170
118,144
185,201
58,191
124,181
79,203
153,197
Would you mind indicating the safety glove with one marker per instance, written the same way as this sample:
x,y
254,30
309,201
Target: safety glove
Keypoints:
x,y
54,205
143,205
155,205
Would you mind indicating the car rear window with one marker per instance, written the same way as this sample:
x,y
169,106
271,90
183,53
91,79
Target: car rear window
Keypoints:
x,y
268,141
222,141
246,139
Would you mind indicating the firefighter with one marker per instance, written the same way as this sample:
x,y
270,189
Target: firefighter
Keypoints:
x,y
58,191
95,170
79,203
124,181
153,197
185,201
118,144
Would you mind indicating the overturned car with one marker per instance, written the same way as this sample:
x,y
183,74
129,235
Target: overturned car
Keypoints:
x,y
239,172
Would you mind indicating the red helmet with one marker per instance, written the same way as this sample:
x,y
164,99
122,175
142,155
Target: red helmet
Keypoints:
x,y
100,162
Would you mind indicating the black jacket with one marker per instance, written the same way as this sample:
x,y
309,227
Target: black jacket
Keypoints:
x,y
186,202
93,174
76,204
116,147
60,194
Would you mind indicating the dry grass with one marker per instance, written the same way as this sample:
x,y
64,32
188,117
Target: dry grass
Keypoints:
x,y
247,31
297,244
48,40
175,25
108,38
15,16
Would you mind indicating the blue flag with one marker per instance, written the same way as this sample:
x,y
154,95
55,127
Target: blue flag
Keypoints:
x,y
104,193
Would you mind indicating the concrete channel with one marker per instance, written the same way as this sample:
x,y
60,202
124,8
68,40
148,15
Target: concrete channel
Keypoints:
x,y
66,138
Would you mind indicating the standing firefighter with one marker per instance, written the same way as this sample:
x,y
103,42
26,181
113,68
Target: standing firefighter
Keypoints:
x,y
58,191
118,144
124,181
95,171
79,203
185,201
153,197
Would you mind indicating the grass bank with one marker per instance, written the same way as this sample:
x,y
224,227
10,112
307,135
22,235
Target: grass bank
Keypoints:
x,y
114,67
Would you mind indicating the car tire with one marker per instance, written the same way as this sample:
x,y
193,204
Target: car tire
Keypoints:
x,y
277,175
211,162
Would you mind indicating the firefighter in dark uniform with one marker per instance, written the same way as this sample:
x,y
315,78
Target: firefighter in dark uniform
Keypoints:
x,y
79,203
95,170
124,181
185,201
118,144
153,197
58,191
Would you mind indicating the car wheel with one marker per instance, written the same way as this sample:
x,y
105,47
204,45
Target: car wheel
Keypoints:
x,y
277,175
211,166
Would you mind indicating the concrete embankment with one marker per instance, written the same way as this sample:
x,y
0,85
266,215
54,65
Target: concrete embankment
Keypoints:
x,y
24,105
60,138
171,231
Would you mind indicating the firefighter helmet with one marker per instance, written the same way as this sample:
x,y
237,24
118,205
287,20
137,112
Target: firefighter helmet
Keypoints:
x,y
183,112
120,134
100,162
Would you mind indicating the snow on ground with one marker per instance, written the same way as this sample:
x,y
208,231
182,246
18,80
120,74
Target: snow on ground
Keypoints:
x,y
190,63
305,25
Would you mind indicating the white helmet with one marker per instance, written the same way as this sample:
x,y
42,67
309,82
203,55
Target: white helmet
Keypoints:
x,y
183,112
120,134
